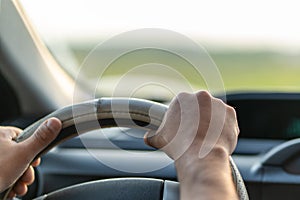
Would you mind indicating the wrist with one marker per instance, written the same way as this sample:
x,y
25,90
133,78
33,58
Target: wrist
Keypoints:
x,y
203,175
191,162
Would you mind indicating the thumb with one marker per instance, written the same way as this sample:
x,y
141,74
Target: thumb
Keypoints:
x,y
148,138
154,139
42,137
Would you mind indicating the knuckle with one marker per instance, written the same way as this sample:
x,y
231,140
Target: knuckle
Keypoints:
x,y
204,93
7,132
11,132
156,141
204,96
237,130
231,111
42,134
183,95
219,103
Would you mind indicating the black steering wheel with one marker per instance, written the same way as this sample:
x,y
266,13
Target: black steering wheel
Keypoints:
x,y
112,112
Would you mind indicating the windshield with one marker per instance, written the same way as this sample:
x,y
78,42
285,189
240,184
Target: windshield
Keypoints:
x,y
254,45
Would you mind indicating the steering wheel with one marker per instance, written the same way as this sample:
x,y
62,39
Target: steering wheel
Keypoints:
x,y
112,112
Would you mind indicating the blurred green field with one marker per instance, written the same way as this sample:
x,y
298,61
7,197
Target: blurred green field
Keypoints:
x,y
240,70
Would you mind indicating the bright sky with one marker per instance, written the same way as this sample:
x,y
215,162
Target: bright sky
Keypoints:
x,y
237,22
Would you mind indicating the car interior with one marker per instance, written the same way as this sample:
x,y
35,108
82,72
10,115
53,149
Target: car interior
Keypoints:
x,y
33,84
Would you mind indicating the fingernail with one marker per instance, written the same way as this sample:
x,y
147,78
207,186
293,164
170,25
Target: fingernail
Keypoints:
x,y
54,126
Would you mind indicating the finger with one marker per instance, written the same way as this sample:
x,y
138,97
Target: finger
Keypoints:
x,y
148,137
28,176
216,123
43,136
9,132
11,194
36,162
20,188
154,139
16,129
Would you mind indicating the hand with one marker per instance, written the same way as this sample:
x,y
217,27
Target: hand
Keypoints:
x,y
199,132
16,158
196,124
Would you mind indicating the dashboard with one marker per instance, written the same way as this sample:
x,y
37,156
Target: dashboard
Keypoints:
x,y
266,153
267,116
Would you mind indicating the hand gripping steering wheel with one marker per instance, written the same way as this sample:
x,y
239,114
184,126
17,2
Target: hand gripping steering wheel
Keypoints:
x,y
113,112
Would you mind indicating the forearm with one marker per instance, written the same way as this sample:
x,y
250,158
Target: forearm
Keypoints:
x,y
207,178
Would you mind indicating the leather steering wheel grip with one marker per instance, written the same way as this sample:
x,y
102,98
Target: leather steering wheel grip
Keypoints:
x,y
112,112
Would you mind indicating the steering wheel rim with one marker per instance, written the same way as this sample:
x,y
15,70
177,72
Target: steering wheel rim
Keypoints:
x,y
112,112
